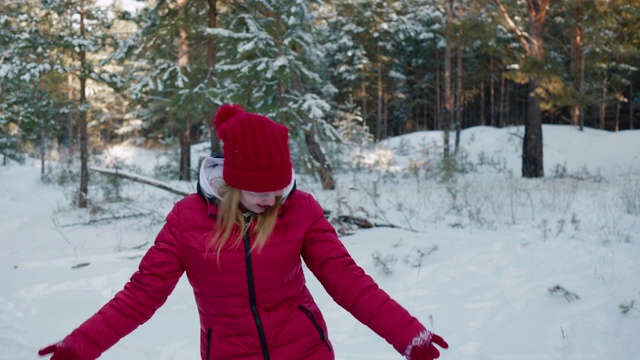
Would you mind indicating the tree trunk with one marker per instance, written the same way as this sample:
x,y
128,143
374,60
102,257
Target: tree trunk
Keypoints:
x,y
364,98
483,120
185,137
216,148
532,162
582,65
503,100
425,108
325,171
385,116
43,151
532,146
603,107
533,44
492,94
70,116
617,116
448,97
577,53
84,139
43,135
582,68
185,151
379,117
631,106
437,118
459,99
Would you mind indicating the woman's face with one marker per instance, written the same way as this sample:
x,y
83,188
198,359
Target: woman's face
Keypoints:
x,y
259,202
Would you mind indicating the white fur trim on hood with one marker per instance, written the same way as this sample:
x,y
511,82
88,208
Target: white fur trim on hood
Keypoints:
x,y
211,178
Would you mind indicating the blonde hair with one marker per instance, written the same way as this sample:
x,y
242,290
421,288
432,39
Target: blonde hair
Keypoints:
x,y
231,223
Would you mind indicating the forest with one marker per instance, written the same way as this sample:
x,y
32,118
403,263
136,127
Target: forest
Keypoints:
x,y
77,76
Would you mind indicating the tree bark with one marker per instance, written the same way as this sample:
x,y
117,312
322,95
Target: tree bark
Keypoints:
x,y
437,116
325,171
84,139
70,115
492,94
503,100
459,96
185,135
448,97
185,150
603,107
577,53
532,146
385,116
43,135
216,148
532,164
364,97
631,127
582,68
483,120
379,117
617,116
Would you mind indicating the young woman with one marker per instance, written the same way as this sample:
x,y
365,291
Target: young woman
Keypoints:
x,y
241,241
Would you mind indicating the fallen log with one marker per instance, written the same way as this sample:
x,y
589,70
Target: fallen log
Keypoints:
x,y
357,221
362,223
141,179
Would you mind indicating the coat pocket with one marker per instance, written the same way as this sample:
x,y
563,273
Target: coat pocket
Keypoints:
x,y
309,314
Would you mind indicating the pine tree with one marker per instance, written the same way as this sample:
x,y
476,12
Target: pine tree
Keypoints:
x,y
532,42
267,65
28,111
172,83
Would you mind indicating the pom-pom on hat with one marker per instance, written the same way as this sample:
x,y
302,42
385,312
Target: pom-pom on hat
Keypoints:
x,y
255,149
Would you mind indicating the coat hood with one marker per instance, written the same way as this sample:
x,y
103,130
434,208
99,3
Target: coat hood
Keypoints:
x,y
210,179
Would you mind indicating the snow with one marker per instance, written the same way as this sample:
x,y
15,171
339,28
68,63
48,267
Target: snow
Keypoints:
x,y
473,258
129,5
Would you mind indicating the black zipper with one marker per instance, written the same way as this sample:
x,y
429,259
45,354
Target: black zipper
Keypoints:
x,y
252,290
208,343
311,317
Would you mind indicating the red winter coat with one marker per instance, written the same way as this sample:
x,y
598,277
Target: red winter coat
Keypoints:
x,y
253,305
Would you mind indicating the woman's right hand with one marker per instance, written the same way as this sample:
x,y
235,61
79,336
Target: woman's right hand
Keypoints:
x,y
59,351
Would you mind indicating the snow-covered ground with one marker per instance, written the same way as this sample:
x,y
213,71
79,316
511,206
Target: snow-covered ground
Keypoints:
x,y
476,258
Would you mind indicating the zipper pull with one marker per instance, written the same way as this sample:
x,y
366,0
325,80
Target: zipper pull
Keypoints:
x,y
247,220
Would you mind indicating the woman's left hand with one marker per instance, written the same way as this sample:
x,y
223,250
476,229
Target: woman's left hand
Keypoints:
x,y
427,350
59,351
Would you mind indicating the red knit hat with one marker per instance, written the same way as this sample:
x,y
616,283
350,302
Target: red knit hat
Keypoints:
x,y
255,149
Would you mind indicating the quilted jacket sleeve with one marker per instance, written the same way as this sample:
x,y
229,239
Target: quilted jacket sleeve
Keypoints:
x,y
158,273
351,288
